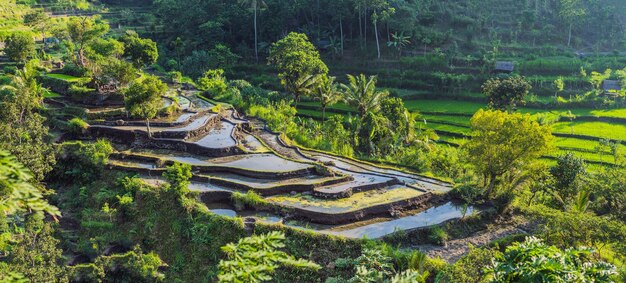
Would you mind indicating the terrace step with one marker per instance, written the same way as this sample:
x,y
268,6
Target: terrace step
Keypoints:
x,y
261,162
268,187
359,206
151,162
361,183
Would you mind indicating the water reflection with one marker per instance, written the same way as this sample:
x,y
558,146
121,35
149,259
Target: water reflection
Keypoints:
x,y
431,216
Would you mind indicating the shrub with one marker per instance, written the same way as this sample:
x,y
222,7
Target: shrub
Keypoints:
x,y
249,199
79,92
438,235
77,126
175,77
534,261
213,82
79,161
76,71
10,70
19,47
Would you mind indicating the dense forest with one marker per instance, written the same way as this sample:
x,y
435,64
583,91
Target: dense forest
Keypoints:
x,y
313,141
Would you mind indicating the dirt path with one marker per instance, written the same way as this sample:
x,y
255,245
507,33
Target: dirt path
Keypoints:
x,y
455,249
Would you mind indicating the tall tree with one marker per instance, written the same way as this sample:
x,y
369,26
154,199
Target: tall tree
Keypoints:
x,y
22,128
19,47
381,12
571,11
39,20
506,94
141,51
361,93
255,6
296,59
502,141
327,93
143,98
82,30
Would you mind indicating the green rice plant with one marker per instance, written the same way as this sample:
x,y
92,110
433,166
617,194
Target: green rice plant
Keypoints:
x,y
249,199
77,126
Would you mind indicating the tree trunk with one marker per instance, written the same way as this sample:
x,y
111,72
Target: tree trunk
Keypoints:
x,y
365,27
323,114
569,37
148,125
377,43
492,184
45,44
360,30
341,33
256,44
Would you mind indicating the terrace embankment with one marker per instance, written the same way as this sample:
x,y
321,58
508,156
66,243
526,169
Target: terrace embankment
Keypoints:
x,y
230,154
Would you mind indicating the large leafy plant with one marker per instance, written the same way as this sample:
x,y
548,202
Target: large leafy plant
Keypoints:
x,y
534,261
254,259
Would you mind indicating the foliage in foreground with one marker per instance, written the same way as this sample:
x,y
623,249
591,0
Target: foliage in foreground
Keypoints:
x,y
534,261
254,259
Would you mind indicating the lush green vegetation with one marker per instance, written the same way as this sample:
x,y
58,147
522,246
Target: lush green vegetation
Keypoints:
x,y
409,84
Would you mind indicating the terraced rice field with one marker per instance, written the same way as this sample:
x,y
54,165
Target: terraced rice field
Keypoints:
x,y
313,187
451,120
356,202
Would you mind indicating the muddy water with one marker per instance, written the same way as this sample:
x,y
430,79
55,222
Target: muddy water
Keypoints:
x,y
359,180
145,165
431,185
184,102
256,162
201,121
193,186
268,183
218,137
184,117
432,216
253,144
228,210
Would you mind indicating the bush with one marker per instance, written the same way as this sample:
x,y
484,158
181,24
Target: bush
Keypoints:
x,y
77,126
175,77
19,47
5,80
79,92
54,84
249,199
79,161
12,70
76,71
438,235
213,82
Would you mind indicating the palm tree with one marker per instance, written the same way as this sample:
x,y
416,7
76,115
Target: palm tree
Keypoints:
x,y
399,40
361,93
255,5
302,86
328,93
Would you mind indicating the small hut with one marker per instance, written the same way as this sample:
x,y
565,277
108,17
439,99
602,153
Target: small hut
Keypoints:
x,y
504,67
611,87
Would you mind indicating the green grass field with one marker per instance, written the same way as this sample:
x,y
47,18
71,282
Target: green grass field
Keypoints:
x,y
451,120
67,78
594,129
51,94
